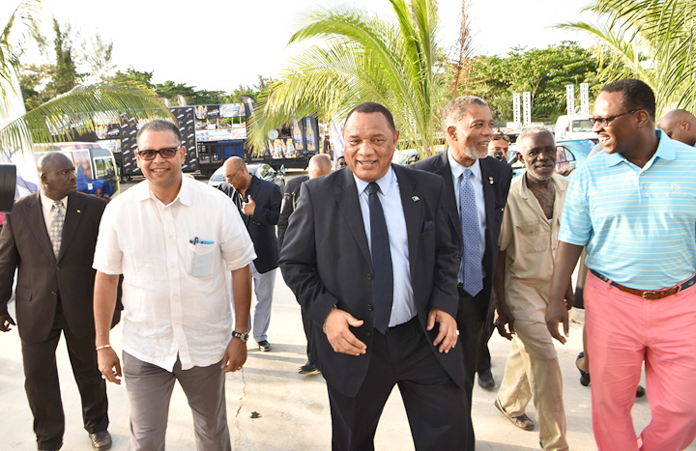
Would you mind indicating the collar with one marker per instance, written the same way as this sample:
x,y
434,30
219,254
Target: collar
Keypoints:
x,y
385,183
185,196
665,151
47,202
526,193
458,168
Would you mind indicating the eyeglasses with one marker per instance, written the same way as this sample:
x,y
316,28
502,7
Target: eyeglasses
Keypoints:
x,y
166,153
605,121
498,136
229,179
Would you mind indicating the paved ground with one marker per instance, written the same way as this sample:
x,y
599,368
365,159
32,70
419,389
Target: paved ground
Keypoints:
x,y
271,407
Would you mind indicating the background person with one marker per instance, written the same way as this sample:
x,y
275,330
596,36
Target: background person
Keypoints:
x,y
258,201
319,165
679,125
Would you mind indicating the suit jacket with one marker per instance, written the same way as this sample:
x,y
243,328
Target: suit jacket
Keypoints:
x,y
261,225
290,198
41,278
496,176
326,261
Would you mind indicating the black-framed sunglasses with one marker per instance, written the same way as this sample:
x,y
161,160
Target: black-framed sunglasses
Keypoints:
x,y
605,121
498,136
149,154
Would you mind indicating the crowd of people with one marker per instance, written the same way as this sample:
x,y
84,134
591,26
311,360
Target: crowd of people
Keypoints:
x,y
432,259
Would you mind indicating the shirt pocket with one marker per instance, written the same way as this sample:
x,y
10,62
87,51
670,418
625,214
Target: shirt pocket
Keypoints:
x,y
201,259
531,237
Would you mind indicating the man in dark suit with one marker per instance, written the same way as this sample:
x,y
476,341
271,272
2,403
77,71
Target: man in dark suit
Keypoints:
x,y
319,165
258,202
480,185
50,237
382,299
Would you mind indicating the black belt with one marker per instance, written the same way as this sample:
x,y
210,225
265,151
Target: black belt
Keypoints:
x,y
650,295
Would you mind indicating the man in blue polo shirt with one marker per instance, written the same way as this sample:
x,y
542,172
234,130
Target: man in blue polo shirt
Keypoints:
x,y
634,208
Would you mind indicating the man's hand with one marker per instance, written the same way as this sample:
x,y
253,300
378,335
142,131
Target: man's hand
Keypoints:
x,y
569,300
235,356
504,317
447,336
6,322
339,335
556,313
109,365
249,207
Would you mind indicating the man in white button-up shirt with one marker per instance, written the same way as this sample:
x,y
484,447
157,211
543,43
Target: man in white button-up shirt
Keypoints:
x,y
173,239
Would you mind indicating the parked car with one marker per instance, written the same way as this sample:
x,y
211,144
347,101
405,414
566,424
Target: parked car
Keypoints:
x,y
261,170
569,155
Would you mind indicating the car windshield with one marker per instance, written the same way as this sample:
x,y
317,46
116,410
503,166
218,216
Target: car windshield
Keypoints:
x,y
582,126
218,177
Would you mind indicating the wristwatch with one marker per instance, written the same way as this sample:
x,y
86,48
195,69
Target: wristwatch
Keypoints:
x,y
244,337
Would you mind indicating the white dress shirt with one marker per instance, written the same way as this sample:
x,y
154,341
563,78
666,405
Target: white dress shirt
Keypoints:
x,y
403,308
47,206
176,294
477,181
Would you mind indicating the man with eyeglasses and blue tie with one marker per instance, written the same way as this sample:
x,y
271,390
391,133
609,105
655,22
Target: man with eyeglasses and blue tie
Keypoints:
x,y
382,301
634,209
174,240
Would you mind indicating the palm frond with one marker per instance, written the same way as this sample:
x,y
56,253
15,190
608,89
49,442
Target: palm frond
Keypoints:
x,y
79,108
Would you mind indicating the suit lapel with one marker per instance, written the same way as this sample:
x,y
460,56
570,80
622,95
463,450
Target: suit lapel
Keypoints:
x,y
488,180
412,212
346,195
35,218
73,216
444,170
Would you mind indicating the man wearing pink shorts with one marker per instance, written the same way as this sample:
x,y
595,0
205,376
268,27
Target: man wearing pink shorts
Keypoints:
x,y
634,208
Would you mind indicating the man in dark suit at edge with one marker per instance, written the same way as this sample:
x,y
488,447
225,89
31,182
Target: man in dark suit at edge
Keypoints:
x,y
50,236
258,202
318,165
468,127
382,298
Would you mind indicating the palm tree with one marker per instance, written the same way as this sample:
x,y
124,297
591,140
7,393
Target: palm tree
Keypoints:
x,y
361,58
78,107
652,40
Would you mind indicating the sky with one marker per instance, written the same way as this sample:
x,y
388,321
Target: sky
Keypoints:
x,y
220,44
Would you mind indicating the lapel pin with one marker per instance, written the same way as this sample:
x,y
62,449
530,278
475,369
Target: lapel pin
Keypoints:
x,y
415,198
490,180
78,211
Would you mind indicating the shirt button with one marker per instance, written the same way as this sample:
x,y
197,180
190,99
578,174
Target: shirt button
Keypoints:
x,y
172,265
171,237
642,187
369,277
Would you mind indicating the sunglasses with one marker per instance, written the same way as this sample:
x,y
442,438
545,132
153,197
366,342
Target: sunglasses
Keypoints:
x,y
605,121
166,153
498,136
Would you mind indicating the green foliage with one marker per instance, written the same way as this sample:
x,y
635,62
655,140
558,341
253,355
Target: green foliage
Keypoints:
x,y
362,58
652,40
64,75
542,72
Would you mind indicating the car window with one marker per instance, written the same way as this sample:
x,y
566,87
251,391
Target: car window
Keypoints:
x,y
565,160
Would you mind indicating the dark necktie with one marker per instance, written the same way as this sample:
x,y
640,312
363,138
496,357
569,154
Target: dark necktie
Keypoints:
x,y
471,272
57,226
381,261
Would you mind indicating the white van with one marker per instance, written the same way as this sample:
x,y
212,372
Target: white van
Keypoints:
x,y
574,127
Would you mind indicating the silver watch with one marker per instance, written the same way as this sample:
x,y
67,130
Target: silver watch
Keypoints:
x,y
244,337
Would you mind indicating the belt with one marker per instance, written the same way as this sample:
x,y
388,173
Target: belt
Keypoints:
x,y
650,295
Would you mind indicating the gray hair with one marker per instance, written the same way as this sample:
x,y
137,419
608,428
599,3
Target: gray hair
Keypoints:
x,y
458,108
534,130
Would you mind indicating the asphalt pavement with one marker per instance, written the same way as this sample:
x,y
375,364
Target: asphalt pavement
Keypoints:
x,y
270,407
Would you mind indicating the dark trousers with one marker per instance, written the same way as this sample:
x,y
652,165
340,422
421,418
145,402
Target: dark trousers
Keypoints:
x,y
471,318
435,405
307,324
484,355
43,389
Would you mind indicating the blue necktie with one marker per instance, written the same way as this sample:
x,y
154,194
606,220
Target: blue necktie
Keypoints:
x,y
383,282
470,272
